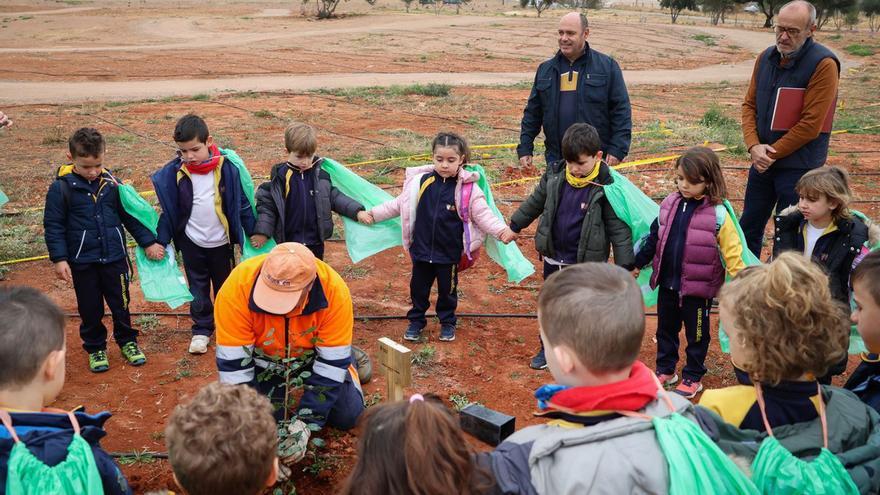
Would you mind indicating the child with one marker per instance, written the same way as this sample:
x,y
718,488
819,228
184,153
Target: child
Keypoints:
x,y
577,222
295,205
822,227
32,358
865,380
591,445
83,222
686,245
414,446
204,210
431,209
785,331
212,451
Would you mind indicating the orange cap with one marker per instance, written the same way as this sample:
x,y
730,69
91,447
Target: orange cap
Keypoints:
x,y
287,270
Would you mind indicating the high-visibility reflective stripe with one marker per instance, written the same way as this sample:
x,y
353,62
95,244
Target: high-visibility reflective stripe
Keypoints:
x,y
331,372
240,376
234,351
334,353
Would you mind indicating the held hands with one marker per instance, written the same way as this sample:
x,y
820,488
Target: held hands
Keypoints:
x,y
62,271
612,160
525,161
155,251
635,272
5,121
257,240
760,159
507,236
365,217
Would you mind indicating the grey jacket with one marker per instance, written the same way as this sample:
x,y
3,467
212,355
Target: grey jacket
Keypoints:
x,y
601,229
616,456
271,203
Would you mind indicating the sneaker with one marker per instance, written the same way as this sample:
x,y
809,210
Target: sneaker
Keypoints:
x,y
447,333
413,333
133,354
98,362
539,362
363,364
666,379
688,388
199,344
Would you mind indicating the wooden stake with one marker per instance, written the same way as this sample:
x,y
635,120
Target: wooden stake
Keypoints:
x,y
396,360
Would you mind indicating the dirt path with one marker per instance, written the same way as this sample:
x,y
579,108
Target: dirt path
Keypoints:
x,y
18,92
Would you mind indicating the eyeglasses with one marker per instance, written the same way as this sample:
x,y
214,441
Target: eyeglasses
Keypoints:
x,y
791,32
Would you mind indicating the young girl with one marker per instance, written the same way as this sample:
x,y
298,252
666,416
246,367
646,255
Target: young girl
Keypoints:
x,y
444,215
686,245
785,330
414,447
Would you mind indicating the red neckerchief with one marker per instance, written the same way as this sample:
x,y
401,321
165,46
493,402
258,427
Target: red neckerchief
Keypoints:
x,y
208,165
632,394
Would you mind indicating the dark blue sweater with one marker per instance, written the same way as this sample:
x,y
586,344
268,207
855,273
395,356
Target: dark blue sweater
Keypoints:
x,y
438,230
569,221
301,214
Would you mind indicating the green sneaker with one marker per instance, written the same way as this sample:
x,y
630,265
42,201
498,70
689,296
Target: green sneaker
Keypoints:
x,y
133,354
98,362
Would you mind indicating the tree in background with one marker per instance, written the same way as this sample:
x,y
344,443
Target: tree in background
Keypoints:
x,y
871,9
827,10
676,6
768,8
407,3
540,5
716,9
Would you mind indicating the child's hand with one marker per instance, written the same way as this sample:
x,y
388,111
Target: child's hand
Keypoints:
x,y
635,272
365,218
155,251
62,271
507,236
257,240
4,121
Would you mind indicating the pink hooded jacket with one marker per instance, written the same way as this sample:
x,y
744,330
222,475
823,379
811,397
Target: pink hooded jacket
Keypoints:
x,y
482,219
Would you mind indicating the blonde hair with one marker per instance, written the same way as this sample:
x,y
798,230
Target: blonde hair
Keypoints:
x,y
789,325
300,137
833,182
596,309
223,442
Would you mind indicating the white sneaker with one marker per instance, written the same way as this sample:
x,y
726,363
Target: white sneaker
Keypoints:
x,y
199,344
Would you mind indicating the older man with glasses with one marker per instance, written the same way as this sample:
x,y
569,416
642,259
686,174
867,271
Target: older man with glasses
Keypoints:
x,y
780,157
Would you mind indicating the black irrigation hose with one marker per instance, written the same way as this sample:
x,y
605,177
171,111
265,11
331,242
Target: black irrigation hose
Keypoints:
x,y
530,316
139,455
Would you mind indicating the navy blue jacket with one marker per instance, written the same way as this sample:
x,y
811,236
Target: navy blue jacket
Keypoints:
x,y
438,230
84,224
865,381
174,191
602,101
47,436
795,74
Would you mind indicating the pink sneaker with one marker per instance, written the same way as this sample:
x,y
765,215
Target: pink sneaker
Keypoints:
x,y
666,380
688,388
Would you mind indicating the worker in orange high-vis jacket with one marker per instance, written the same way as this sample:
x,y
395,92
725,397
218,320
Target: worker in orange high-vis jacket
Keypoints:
x,y
285,303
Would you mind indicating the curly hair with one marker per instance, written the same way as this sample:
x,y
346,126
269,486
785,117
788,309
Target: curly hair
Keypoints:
x,y
223,442
788,322
414,448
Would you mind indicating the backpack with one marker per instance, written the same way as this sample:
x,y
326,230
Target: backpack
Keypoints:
x,y
75,475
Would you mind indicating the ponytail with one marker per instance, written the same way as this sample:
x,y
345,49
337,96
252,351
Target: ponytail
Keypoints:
x,y
452,140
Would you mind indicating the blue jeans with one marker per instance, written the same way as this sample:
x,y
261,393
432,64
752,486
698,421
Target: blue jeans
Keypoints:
x,y
764,191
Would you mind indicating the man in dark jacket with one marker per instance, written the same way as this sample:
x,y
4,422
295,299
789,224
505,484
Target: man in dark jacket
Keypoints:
x,y
781,157
577,85
83,222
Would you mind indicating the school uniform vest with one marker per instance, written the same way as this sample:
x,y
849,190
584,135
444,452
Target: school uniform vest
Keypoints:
x,y
795,74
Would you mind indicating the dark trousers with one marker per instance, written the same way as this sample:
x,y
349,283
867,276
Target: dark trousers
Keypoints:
x,y
672,311
94,283
344,412
204,267
423,276
764,191
317,250
549,270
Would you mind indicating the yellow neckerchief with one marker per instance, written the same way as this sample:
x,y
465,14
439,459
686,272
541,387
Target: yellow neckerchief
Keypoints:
x,y
218,199
71,168
579,182
832,227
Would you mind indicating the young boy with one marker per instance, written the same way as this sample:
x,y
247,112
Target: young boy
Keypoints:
x,y
592,320
213,452
204,211
577,222
295,205
83,222
865,380
32,357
